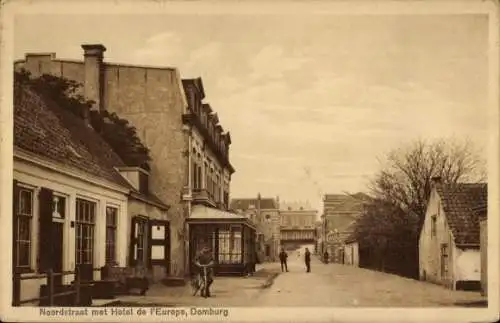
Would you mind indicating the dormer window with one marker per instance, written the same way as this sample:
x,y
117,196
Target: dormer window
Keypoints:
x,y
137,177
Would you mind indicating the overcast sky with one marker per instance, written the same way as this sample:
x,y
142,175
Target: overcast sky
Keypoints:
x,y
310,101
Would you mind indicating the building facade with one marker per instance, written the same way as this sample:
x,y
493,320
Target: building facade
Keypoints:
x,y
264,213
188,148
71,203
297,224
340,212
449,244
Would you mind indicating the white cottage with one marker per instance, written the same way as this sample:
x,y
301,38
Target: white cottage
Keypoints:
x,y
70,202
449,248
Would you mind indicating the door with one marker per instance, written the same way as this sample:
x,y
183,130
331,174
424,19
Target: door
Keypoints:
x,y
159,244
444,261
57,251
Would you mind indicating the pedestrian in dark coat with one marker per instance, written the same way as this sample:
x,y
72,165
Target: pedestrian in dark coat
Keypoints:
x,y
283,258
307,259
325,257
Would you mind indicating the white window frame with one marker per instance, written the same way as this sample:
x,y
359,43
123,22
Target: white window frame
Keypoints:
x,y
116,230
94,228
34,191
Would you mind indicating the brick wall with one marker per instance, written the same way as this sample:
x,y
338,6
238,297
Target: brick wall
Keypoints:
x,y
151,100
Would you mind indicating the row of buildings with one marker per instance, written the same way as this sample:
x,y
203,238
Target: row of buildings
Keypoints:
x,y
279,225
452,245
77,204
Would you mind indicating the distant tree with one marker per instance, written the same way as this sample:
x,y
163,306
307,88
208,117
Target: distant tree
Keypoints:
x,y
118,133
390,226
405,178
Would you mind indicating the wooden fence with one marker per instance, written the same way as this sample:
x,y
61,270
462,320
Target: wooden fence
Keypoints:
x,y
51,294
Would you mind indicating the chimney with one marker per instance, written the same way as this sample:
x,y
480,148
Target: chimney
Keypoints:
x,y
94,74
436,180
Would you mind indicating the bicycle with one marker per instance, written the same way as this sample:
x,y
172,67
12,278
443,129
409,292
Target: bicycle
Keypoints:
x,y
200,281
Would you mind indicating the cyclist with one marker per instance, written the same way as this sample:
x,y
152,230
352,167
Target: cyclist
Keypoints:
x,y
204,259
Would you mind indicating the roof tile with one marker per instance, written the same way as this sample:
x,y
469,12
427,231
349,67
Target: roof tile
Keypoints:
x,y
459,203
45,129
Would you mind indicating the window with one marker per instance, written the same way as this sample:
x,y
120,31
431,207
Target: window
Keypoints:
x,y
24,220
206,176
59,207
230,245
198,177
111,227
85,222
433,226
141,235
139,254
444,260
143,183
217,188
194,178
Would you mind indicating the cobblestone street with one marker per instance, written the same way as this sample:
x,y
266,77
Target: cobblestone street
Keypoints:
x,y
346,286
327,285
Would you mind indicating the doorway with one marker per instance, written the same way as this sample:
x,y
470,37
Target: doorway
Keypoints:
x,y
57,250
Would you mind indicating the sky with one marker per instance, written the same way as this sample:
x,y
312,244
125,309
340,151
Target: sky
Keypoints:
x,y
312,102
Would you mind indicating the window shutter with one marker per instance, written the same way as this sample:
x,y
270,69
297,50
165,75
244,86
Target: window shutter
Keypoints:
x,y
15,211
133,242
45,229
164,241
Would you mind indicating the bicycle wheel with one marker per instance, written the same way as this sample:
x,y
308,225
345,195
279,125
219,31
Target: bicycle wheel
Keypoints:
x,y
195,284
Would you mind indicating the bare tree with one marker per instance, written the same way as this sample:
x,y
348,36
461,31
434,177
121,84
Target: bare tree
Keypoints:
x,y
405,179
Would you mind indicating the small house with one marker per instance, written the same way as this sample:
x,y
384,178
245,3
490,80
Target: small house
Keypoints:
x,y
449,244
483,235
72,206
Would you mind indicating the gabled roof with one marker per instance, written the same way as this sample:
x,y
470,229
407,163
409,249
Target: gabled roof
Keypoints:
x,y
245,203
43,128
459,203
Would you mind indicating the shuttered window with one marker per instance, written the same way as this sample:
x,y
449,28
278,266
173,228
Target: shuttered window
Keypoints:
x,y
138,254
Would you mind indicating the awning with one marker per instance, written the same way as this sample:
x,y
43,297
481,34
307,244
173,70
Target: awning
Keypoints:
x,y
205,214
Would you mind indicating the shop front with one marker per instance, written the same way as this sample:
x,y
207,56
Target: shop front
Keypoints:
x,y
230,237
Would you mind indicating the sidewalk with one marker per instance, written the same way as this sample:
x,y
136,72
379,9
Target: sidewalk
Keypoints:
x,y
226,291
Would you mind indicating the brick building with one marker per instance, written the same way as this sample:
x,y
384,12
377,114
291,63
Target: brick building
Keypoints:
x,y
340,212
264,213
188,148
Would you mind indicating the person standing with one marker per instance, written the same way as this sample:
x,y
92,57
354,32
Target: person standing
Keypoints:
x,y
307,258
283,258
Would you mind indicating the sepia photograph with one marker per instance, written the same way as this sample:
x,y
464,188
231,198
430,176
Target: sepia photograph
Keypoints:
x,y
194,160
